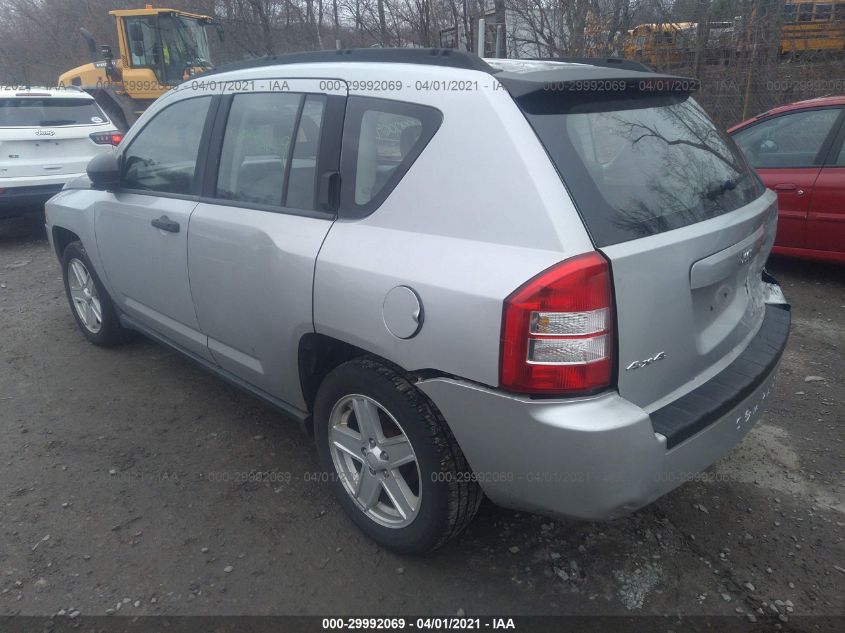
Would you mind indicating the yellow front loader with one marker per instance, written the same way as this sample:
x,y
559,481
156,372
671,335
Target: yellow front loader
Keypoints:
x,y
158,49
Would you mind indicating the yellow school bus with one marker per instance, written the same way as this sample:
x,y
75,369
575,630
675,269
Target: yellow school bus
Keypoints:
x,y
814,25
660,44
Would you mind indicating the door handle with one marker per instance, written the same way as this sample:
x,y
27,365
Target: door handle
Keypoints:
x,y
785,186
166,224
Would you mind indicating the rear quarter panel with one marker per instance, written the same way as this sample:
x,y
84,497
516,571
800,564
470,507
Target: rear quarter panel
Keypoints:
x,y
480,212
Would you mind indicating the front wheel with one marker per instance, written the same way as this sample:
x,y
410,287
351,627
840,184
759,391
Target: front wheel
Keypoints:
x,y
394,465
89,302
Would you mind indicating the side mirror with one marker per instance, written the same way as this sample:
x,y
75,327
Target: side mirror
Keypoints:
x,y
104,172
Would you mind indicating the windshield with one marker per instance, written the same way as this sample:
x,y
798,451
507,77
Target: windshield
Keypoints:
x,y
179,45
644,165
184,45
49,112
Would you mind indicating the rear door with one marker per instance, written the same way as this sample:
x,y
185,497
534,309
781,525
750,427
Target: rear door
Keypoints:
x,y
47,135
683,220
254,238
142,229
787,151
826,215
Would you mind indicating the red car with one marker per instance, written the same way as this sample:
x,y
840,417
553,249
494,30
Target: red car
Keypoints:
x,y
798,151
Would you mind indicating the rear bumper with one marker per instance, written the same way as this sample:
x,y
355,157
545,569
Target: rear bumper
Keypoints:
x,y
601,457
15,199
16,194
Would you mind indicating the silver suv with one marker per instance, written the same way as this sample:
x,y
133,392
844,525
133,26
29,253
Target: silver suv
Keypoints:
x,y
539,281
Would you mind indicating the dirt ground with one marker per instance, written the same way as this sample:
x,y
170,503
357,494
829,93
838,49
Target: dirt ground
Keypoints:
x,y
125,488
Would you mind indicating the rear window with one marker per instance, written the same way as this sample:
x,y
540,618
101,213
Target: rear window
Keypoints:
x,y
638,166
49,112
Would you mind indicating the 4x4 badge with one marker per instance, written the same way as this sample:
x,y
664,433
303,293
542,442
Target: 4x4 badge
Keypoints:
x,y
637,364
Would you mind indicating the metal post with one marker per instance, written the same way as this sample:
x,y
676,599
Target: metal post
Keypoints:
x,y
481,37
500,40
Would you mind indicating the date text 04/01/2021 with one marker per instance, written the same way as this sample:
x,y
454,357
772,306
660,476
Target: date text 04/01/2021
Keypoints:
x,y
428,623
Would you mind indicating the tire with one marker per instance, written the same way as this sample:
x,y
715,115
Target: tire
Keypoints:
x,y
447,496
89,293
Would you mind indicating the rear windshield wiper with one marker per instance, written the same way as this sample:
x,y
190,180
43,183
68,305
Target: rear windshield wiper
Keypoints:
x,y
49,122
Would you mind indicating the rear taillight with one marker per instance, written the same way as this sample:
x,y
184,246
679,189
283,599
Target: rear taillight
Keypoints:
x,y
107,138
557,330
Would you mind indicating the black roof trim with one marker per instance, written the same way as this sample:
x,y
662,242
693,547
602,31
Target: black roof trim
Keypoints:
x,y
606,62
449,57
593,80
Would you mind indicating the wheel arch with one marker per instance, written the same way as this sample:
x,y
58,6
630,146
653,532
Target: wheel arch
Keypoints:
x,y
61,238
319,354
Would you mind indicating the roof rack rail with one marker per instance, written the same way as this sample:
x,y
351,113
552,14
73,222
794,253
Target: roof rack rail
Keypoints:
x,y
605,62
449,57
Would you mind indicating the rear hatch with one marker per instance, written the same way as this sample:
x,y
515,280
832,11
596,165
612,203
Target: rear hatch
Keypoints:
x,y
48,135
671,203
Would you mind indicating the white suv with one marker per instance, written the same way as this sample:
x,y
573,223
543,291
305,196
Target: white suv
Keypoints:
x,y
47,137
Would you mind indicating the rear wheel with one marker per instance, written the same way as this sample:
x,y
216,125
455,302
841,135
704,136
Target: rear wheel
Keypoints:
x,y
394,465
89,302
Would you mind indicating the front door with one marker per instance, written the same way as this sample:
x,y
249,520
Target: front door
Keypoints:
x,y
142,229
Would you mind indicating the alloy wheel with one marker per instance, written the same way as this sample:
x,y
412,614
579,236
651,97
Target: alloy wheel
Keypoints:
x,y
83,292
375,461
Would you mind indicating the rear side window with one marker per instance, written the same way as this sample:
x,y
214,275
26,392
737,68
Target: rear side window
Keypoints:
x,y
381,140
301,189
256,147
642,165
270,150
49,112
163,156
790,140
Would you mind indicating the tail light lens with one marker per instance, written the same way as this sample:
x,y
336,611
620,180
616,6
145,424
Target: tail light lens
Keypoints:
x,y
557,330
107,138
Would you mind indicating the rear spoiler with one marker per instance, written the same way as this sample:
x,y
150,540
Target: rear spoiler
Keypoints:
x,y
577,79
607,62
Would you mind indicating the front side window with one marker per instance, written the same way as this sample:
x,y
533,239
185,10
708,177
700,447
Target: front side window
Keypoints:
x,y
791,140
381,141
163,156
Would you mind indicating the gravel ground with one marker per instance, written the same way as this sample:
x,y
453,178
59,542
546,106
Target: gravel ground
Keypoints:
x,y
122,490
